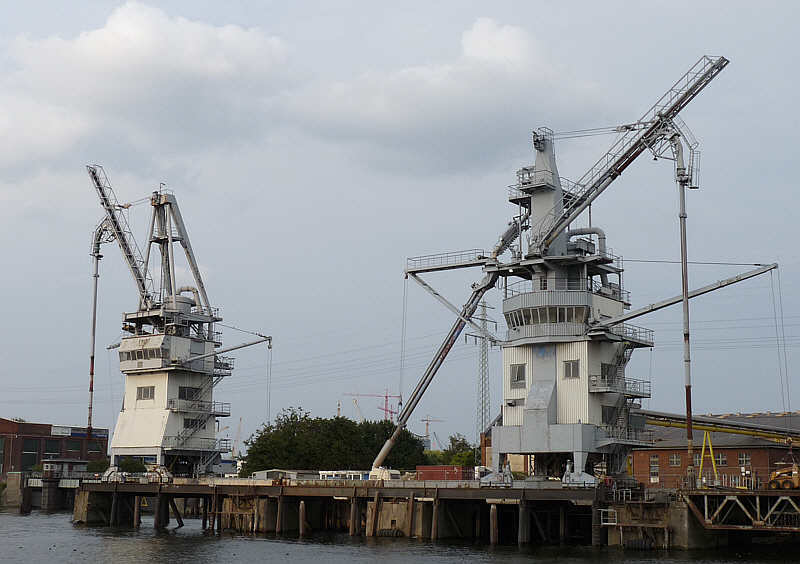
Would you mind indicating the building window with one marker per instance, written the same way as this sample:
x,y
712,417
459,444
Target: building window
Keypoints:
x,y
674,459
653,468
543,283
696,459
744,459
517,375
52,447
572,369
30,453
94,446
607,372
721,458
73,445
145,392
194,423
2,452
188,393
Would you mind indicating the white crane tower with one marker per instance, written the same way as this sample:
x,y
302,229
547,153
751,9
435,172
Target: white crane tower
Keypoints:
x,y
170,355
566,397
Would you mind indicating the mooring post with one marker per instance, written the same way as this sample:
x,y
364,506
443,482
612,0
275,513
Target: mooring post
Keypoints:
x,y
354,515
302,518
435,520
494,531
137,511
524,528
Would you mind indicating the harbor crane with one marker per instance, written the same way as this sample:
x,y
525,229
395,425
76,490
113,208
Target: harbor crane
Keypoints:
x,y
565,315
171,354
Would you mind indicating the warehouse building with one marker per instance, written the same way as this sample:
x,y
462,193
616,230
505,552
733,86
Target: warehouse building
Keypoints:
x,y
739,458
25,445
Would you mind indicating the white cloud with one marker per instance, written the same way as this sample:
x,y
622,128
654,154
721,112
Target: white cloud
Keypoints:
x,y
451,114
144,79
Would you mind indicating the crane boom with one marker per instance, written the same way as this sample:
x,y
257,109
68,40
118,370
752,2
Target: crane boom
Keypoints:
x,y
479,289
649,131
118,225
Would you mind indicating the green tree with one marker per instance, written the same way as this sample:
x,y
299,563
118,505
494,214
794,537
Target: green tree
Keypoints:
x,y
297,441
132,465
100,465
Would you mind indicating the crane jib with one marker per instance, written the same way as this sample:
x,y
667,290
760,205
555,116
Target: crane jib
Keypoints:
x,y
645,139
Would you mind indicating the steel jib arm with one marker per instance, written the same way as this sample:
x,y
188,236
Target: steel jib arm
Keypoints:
x,y
466,313
122,234
628,147
479,290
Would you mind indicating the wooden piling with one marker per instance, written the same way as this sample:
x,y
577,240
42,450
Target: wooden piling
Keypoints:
x,y
137,511
112,518
524,524
280,517
175,511
218,516
158,513
435,520
355,518
410,516
494,532
302,518
562,524
204,501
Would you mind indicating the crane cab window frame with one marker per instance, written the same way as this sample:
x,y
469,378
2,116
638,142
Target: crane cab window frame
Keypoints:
x,y
517,376
145,393
572,369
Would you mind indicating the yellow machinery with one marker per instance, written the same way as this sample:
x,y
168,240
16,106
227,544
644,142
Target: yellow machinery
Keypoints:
x,y
785,478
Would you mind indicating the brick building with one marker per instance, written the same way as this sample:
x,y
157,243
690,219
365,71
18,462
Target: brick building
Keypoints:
x,y
664,464
24,445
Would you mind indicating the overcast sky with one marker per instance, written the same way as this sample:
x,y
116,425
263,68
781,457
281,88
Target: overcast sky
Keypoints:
x,y
313,146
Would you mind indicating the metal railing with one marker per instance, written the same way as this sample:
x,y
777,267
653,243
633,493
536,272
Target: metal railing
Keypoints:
x,y
445,259
569,285
632,332
628,434
197,443
223,365
198,406
628,386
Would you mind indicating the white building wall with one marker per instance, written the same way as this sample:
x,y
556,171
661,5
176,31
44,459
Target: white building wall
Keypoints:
x,y
516,355
573,393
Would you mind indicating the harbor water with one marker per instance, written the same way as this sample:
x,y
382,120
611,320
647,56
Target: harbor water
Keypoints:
x,y
41,537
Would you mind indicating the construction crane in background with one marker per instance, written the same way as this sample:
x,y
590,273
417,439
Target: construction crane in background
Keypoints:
x,y
388,410
358,410
438,440
235,449
428,420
